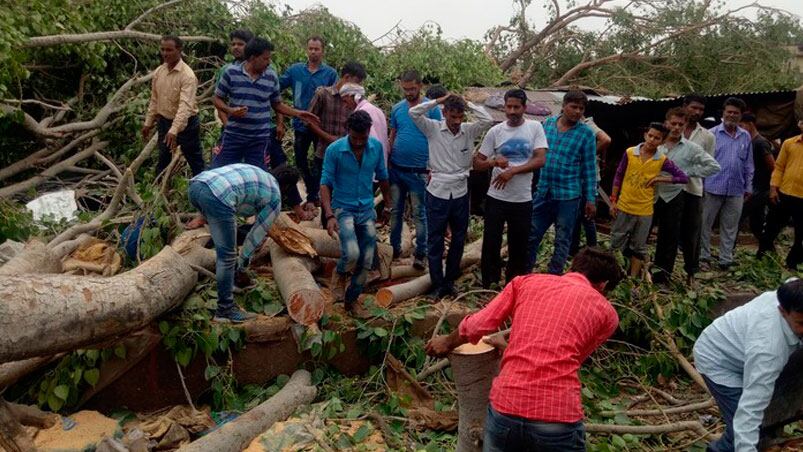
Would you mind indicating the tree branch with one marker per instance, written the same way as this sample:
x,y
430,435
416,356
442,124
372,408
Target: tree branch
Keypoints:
x,y
139,19
54,40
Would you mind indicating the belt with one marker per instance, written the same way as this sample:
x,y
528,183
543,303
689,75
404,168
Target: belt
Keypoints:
x,y
407,169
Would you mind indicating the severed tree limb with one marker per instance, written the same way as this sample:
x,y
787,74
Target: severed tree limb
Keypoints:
x,y
680,426
665,338
673,410
142,16
13,437
29,123
54,40
11,372
52,171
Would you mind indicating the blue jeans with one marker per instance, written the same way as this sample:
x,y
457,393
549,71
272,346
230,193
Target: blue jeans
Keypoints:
x,y
401,183
302,141
561,213
238,149
727,400
508,433
357,246
440,214
223,227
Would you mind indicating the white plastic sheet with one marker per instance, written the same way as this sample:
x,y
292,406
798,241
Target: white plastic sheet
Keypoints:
x,y
55,206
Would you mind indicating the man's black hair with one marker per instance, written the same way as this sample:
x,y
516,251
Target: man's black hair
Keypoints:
x,y
735,102
317,38
257,47
355,69
359,121
243,34
598,265
790,296
176,40
454,103
516,93
575,97
749,117
286,175
410,75
693,97
659,126
436,91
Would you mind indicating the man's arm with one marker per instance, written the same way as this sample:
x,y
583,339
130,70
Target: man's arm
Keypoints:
x,y
748,169
676,175
259,230
426,125
186,102
703,164
327,181
778,172
316,108
286,79
618,178
283,109
588,170
482,121
482,159
474,326
150,115
762,366
537,160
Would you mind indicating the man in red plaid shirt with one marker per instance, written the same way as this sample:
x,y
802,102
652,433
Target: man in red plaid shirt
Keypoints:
x,y
557,322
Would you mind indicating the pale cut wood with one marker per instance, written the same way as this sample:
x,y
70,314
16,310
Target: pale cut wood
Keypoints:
x,y
293,275
474,368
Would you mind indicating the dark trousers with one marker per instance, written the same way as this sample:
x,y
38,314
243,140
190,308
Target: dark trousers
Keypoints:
x,y
301,144
669,216
315,180
727,400
440,214
587,225
789,206
517,216
755,210
190,141
236,148
511,433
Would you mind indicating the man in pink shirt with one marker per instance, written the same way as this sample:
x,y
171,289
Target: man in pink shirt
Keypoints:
x,y
354,96
557,322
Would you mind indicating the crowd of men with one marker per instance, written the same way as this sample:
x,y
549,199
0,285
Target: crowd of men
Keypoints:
x,y
681,178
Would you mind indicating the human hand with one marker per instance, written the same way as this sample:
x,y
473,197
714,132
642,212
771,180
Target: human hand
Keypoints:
x,y
332,227
438,346
280,130
238,112
774,197
146,132
171,140
501,179
501,162
614,209
309,118
591,210
496,341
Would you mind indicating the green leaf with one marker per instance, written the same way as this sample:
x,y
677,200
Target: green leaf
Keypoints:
x,y
380,332
618,441
234,334
92,355
92,376
587,393
184,356
361,433
119,351
54,403
211,372
164,327
61,391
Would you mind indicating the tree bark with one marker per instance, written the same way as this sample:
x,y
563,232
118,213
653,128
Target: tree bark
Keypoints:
x,y
47,314
13,371
293,275
474,368
13,437
34,258
54,40
386,296
237,434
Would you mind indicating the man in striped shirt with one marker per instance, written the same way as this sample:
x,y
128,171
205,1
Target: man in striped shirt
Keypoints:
x,y
557,322
247,94
220,194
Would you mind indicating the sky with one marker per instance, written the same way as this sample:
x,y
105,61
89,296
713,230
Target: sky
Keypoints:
x,y
458,18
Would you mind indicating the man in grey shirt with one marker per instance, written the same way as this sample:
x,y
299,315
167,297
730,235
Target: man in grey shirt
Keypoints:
x,y
740,356
451,146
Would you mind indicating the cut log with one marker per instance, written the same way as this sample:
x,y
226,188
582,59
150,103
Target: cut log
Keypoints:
x,y
474,368
47,314
386,296
34,258
406,241
11,372
405,271
293,275
13,437
326,246
237,434
33,416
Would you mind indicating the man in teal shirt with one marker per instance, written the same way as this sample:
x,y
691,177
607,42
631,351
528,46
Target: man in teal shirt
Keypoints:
x,y
742,354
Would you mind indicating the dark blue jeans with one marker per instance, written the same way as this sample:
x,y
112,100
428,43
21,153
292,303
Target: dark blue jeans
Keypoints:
x,y
505,433
223,227
239,149
727,400
301,144
414,183
357,246
546,212
440,214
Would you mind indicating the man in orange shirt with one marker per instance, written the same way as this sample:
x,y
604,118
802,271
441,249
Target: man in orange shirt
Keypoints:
x,y
786,197
557,322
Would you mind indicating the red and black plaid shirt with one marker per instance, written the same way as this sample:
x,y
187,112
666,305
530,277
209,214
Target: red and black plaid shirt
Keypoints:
x,y
557,322
333,112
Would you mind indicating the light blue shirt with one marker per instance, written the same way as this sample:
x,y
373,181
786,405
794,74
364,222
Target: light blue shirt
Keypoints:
x,y
747,348
692,159
351,181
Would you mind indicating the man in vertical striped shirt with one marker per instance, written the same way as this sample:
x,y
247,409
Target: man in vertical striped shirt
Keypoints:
x,y
247,94
557,322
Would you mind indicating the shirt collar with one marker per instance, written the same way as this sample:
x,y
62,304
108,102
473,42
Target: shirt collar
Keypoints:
x,y
739,131
179,67
788,334
445,128
637,152
578,277
799,138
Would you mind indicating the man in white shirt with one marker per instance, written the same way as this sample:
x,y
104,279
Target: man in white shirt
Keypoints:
x,y
742,354
513,149
450,142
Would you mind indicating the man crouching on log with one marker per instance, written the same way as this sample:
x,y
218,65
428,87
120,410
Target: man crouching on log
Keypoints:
x,y
742,354
220,194
347,198
557,322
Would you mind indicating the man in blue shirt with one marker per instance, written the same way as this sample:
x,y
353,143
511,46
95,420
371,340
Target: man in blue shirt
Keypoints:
x,y
347,197
247,94
303,79
741,355
568,177
409,157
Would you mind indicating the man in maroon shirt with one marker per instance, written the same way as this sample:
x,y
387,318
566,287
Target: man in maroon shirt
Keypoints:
x,y
557,322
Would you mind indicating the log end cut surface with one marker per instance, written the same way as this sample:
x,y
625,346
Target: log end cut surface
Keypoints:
x,y
306,306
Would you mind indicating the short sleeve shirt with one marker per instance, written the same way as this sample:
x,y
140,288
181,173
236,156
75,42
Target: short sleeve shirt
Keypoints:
x,y
410,147
239,89
517,145
761,149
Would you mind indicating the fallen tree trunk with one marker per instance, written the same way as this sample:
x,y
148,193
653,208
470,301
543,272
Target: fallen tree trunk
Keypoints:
x,y
237,434
47,314
326,246
11,372
474,368
386,296
293,275
34,258
13,437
